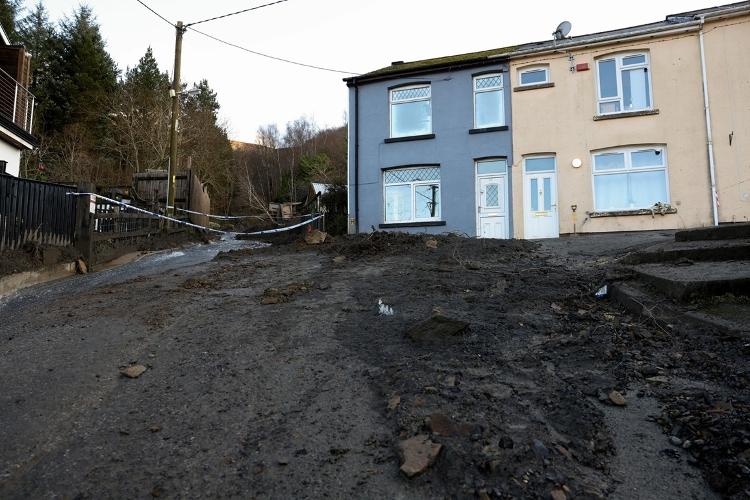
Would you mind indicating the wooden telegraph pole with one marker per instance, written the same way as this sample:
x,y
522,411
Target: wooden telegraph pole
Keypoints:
x,y
172,171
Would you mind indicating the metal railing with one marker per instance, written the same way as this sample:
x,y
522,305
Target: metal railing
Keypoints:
x,y
16,102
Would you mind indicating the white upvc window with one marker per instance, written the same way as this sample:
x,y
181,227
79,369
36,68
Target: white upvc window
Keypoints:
x,y
489,109
623,83
411,110
630,178
534,75
411,194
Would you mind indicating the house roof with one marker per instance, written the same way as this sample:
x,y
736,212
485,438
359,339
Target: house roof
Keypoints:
x,y
503,54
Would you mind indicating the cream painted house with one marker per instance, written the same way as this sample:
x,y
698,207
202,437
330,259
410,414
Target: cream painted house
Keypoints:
x,y
611,131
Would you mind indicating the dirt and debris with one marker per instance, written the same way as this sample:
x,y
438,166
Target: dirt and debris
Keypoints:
x,y
514,401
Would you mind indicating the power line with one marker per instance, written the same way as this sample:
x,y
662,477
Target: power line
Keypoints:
x,y
289,61
156,13
235,13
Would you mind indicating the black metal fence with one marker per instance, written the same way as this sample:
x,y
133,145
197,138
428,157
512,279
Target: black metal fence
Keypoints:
x,y
35,211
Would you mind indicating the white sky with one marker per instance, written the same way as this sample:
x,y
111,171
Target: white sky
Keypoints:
x,y
352,35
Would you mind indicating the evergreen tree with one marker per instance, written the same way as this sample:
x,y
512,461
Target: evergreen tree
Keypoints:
x,y
38,35
9,10
86,75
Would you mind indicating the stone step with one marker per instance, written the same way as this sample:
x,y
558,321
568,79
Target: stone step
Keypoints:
x,y
706,250
725,232
699,279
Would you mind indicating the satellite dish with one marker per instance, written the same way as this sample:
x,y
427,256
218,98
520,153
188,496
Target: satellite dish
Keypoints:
x,y
562,30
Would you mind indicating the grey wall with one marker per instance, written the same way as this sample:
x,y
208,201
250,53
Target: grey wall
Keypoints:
x,y
453,148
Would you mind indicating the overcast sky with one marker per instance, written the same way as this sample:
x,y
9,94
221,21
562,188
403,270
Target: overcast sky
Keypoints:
x,y
350,35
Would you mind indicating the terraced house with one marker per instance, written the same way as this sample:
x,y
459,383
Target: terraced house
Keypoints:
x,y
646,127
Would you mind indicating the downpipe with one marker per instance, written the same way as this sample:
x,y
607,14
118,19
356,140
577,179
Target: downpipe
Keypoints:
x,y
709,132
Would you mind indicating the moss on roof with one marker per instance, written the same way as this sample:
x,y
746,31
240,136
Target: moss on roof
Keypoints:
x,y
407,67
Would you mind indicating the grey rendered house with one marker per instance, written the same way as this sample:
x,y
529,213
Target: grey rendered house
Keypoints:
x,y
430,145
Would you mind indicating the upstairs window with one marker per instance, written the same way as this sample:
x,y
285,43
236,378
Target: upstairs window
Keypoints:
x,y
630,179
411,194
488,101
411,111
624,83
533,76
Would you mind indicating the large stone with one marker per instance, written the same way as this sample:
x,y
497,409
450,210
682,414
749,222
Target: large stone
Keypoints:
x,y
437,328
315,237
617,398
418,454
133,371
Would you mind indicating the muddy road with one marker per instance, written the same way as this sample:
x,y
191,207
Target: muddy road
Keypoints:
x,y
270,374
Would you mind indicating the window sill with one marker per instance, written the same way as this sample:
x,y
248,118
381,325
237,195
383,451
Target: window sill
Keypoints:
x,y
410,138
626,114
639,211
484,130
426,223
535,86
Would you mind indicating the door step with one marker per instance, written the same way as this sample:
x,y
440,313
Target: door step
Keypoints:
x,y
699,279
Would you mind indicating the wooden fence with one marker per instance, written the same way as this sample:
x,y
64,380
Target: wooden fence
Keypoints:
x,y
35,211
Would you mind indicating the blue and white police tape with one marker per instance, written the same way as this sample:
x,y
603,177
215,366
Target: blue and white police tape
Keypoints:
x,y
127,206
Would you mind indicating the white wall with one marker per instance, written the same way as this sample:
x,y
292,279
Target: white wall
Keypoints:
x,y
12,155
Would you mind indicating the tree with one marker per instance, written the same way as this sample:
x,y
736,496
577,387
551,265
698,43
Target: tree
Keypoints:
x,y
38,35
140,117
9,10
86,76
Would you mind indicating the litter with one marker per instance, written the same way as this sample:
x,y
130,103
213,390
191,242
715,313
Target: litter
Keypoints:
x,y
601,293
384,309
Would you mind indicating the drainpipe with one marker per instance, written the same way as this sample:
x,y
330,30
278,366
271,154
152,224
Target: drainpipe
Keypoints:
x,y
356,157
711,163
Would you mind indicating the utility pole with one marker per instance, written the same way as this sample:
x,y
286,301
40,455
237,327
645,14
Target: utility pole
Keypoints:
x,y
172,171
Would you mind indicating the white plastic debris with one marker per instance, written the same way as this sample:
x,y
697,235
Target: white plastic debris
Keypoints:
x,y
384,309
601,293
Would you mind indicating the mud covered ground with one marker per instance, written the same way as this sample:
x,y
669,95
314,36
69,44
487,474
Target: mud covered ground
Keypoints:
x,y
271,374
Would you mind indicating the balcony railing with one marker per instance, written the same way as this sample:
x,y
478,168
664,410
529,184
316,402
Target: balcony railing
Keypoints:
x,y
16,102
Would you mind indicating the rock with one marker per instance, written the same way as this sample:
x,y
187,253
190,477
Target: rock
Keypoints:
x,y
133,371
418,454
556,308
437,328
617,398
558,494
315,237
540,450
505,443
442,425
659,379
675,440
450,381
81,267
393,402
472,265
483,495
154,428
431,243
283,461
272,299
430,390
339,259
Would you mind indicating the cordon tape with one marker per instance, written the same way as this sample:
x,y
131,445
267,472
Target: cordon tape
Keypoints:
x,y
190,224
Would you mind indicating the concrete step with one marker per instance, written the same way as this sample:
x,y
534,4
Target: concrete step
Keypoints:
x,y
725,232
702,250
700,279
728,319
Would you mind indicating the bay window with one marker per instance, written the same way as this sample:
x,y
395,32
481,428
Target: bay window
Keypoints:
x,y
629,179
624,83
411,111
411,194
488,101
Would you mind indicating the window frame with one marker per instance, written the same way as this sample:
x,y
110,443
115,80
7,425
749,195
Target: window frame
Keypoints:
x,y
529,69
413,196
628,169
500,89
398,88
620,98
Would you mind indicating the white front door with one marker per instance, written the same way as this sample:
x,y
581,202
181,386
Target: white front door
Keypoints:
x,y
540,203
491,207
